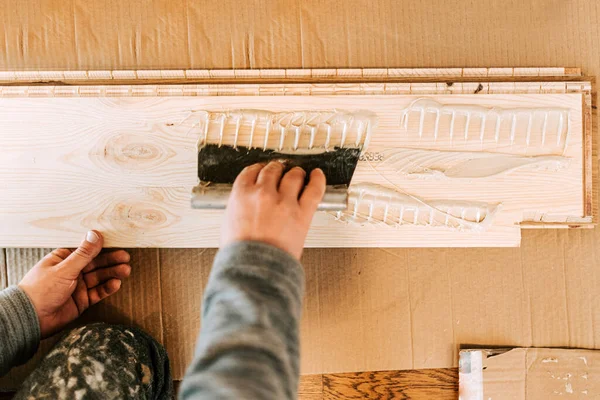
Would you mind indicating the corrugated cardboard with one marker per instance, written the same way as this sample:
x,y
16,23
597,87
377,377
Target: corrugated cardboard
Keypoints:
x,y
365,309
181,302
529,374
111,34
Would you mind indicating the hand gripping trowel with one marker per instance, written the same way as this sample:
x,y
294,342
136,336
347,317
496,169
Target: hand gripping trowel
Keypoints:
x,y
232,140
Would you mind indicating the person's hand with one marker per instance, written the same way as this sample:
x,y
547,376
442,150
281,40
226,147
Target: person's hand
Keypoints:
x,y
265,207
65,283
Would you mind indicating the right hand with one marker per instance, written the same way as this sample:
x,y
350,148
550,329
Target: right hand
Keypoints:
x,y
267,208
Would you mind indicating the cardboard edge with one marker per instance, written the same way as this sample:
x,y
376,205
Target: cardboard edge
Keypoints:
x,y
472,367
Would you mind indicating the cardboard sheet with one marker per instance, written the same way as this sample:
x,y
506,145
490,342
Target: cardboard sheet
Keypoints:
x,y
369,309
111,34
529,374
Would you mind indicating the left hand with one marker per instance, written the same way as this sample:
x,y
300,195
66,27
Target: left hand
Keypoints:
x,y
65,283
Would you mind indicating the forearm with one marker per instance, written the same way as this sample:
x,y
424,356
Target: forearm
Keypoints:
x,y
248,345
19,329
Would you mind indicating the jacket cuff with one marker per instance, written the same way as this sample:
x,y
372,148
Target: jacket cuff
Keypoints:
x,y
19,328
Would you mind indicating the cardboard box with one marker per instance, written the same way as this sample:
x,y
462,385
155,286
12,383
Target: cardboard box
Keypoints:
x,y
365,309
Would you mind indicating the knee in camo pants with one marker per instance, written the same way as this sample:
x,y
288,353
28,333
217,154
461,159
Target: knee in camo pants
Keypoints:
x,y
100,361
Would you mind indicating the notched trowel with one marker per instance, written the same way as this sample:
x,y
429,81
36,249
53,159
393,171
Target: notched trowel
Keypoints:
x,y
232,140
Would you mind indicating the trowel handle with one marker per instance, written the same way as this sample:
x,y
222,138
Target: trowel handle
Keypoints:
x,y
215,197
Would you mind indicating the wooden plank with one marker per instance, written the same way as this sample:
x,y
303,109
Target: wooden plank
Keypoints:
x,y
266,75
413,384
440,383
590,153
310,396
141,165
310,387
590,166
100,89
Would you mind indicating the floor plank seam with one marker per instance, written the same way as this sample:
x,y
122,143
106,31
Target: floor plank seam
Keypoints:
x,y
5,268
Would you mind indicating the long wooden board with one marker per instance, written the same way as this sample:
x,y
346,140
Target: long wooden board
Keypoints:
x,y
290,75
122,159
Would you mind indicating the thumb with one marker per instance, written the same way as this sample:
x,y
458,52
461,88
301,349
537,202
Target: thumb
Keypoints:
x,y
89,248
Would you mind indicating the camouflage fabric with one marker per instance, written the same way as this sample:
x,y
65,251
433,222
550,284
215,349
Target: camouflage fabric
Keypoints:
x,y
100,361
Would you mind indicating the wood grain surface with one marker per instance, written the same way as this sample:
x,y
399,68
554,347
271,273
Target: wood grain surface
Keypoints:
x,y
127,166
439,384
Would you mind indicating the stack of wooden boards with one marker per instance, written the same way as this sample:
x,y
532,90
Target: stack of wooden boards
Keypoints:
x,y
459,157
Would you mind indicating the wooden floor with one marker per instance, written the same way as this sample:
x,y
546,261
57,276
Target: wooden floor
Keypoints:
x,y
439,384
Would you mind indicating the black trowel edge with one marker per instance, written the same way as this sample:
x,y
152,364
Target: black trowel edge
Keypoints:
x,y
222,164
